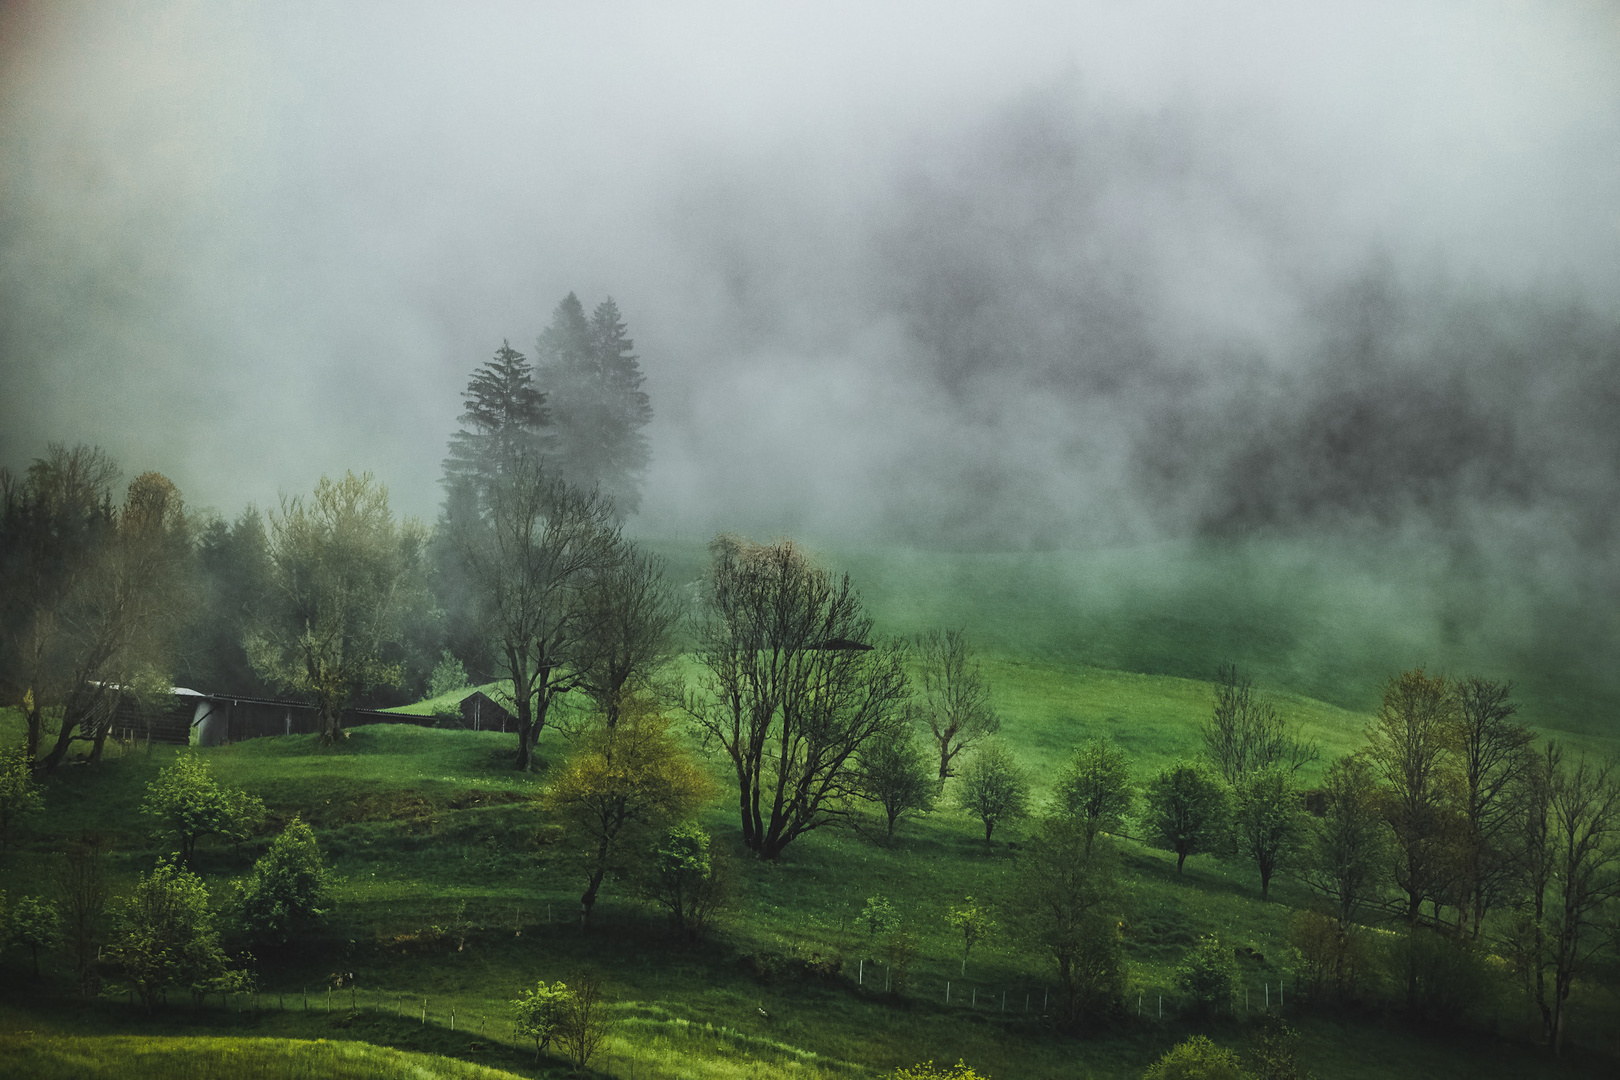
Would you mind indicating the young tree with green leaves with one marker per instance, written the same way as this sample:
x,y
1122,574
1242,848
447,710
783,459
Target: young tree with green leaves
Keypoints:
x,y
1208,975
20,793
188,804
623,784
165,937
538,1014
1068,898
879,918
34,924
1266,822
955,695
288,888
897,775
993,787
688,878
972,922
1095,790
1188,810
343,575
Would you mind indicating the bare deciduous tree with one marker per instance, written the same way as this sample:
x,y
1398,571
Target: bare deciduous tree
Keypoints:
x,y
628,630
530,557
795,689
955,695
1245,733
1490,755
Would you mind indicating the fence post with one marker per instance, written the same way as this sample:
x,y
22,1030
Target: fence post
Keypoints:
x,y
1161,1006
860,974
424,1012
947,991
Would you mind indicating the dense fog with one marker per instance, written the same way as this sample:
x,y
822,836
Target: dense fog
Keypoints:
x,y
988,276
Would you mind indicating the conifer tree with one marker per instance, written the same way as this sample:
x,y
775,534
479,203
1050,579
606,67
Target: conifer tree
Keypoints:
x,y
589,367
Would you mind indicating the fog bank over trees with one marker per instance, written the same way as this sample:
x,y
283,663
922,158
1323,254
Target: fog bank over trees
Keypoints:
x,y
971,276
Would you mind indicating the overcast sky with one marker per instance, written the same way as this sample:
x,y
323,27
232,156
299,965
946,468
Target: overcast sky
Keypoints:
x,y
981,273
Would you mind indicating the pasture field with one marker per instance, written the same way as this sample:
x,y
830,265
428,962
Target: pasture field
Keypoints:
x,y
456,893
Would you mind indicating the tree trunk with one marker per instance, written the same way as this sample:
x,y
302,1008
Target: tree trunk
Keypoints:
x,y
989,827
1181,859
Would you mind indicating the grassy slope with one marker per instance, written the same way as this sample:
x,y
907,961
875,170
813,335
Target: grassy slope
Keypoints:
x,y
430,830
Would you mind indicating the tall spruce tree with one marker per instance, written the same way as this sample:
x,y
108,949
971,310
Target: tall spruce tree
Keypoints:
x,y
594,379
505,413
505,418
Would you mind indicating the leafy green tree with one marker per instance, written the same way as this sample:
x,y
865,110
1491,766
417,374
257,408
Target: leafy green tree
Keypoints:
x,y
1345,851
879,918
233,572
288,888
1197,1058
590,369
20,794
688,878
165,936
1095,788
538,1013
993,787
188,804
1066,902
1208,975
1266,822
897,775
955,695
796,690
448,676
972,922
623,784
1188,810
92,598
33,922
343,575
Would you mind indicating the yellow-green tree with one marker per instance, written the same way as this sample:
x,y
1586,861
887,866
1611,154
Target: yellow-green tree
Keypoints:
x,y
343,574
624,783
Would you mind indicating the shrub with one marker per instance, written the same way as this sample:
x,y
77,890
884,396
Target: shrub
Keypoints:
x,y
1197,1059
1208,975
687,876
929,1071
1332,955
32,922
19,793
189,804
539,1012
287,888
166,937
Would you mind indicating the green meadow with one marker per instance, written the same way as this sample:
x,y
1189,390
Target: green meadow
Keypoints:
x,y
456,891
